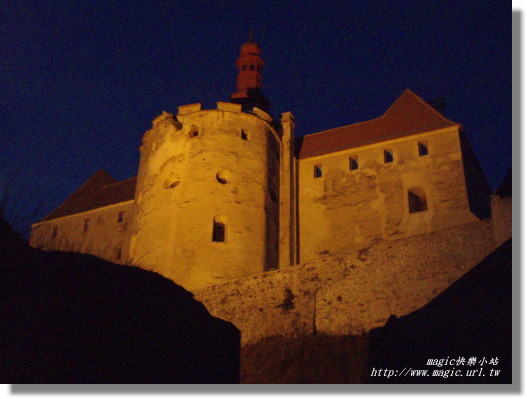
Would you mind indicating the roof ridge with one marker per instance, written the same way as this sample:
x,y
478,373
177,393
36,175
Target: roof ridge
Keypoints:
x,y
426,104
342,127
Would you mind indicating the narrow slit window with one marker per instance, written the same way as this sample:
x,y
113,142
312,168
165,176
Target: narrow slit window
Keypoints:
x,y
417,200
218,232
86,225
354,163
119,253
423,148
244,135
318,171
388,156
120,217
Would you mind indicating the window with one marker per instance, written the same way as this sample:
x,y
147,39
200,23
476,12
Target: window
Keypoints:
x,y
244,68
119,253
120,217
218,232
244,135
354,163
318,171
55,231
86,225
423,148
252,67
388,156
417,200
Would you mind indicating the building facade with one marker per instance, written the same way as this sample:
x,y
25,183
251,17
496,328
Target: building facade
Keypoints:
x,y
231,192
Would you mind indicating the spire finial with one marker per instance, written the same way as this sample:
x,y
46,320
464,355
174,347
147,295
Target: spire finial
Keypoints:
x,y
250,35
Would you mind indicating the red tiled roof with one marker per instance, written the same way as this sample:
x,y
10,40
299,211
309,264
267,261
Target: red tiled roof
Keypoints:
x,y
99,190
408,115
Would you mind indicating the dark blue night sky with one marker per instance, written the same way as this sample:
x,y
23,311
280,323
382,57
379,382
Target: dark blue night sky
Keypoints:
x,y
81,81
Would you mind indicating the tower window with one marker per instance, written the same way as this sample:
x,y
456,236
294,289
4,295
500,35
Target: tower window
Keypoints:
x,y
55,231
252,67
244,135
318,171
244,67
423,148
354,163
119,253
388,156
120,217
417,200
86,225
218,232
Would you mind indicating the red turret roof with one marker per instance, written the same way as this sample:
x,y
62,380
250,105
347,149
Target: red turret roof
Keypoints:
x,y
408,115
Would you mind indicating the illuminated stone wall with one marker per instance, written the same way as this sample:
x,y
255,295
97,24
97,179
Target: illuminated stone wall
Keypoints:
x,y
351,293
105,235
201,168
347,209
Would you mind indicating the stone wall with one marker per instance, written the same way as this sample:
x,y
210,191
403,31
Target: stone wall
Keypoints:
x,y
205,171
352,293
345,208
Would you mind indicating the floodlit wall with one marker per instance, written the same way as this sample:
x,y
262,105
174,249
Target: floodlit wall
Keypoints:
x,y
342,208
351,293
207,195
101,232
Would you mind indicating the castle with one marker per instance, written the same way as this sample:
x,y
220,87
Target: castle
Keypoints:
x,y
228,199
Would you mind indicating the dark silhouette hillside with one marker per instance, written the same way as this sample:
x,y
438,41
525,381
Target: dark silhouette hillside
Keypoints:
x,y
471,318
71,318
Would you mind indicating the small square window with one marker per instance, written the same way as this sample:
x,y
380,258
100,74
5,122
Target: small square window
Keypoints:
x,y
388,156
244,135
417,200
354,163
120,217
423,148
318,171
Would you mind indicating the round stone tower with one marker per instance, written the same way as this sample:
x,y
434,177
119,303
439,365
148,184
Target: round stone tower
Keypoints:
x,y
207,195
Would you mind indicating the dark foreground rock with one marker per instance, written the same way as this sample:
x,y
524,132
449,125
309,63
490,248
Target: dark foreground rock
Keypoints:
x,y
470,319
71,318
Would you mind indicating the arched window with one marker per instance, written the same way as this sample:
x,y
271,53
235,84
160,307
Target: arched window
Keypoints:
x,y
417,200
218,231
